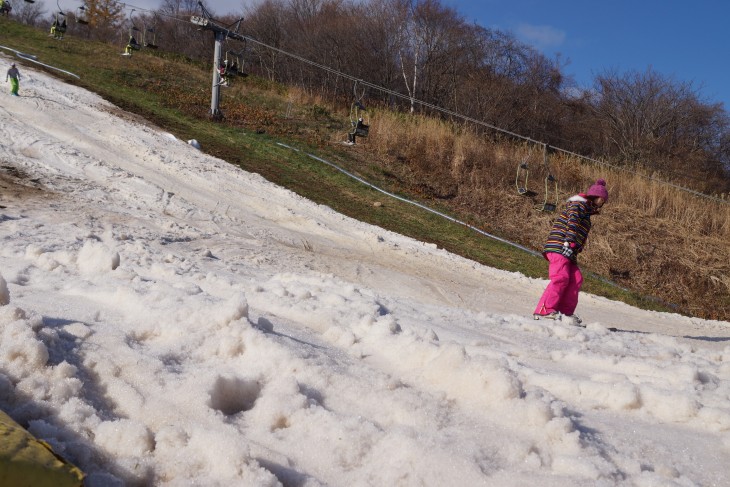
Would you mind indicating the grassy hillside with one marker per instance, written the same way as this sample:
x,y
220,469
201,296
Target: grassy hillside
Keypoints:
x,y
665,245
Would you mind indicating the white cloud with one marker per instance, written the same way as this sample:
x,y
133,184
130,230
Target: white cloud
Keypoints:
x,y
541,36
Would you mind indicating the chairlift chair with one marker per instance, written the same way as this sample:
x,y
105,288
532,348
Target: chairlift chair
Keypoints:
x,y
235,58
523,174
132,43
151,44
235,63
551,185
359,118
231,63
359,121
81,16
550,203
58,27
362,127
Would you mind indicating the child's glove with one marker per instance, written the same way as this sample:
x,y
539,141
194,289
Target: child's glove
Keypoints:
x,y
567,250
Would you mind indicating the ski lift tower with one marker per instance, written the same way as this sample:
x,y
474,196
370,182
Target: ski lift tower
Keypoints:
x,y
221,34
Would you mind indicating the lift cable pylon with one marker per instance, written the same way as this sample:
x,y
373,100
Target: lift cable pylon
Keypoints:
x,y
221,33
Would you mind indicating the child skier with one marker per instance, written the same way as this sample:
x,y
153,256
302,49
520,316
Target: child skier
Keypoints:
x,y
566,240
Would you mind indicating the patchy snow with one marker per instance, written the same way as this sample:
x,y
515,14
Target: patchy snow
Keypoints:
x,y
168,319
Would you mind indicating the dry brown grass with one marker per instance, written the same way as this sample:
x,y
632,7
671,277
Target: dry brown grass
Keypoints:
x,y
652,237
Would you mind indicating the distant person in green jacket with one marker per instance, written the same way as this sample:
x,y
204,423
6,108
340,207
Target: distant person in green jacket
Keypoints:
x,y
14,76
5,8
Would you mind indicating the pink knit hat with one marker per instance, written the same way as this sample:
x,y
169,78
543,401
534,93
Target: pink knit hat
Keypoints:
x,y
599,189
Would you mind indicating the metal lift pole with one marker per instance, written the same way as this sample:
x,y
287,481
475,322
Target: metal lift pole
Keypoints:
x,y
221,33
215,112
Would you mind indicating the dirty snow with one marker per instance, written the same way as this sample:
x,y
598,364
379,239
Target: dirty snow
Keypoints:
x,y
168,319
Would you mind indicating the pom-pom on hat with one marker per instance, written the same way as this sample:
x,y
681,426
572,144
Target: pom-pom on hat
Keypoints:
x,y
598,189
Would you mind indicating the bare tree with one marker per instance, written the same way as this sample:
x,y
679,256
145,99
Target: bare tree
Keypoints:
x,y
374,43
178,33
408,52
637,111
431,40
28,13
265,23
654,121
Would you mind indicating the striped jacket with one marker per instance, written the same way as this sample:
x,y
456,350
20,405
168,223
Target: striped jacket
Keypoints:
x,y
572,226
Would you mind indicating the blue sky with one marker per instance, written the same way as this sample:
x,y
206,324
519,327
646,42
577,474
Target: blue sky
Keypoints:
x,y
685,40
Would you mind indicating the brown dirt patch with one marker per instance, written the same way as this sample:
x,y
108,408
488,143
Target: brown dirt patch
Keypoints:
x,y
16,186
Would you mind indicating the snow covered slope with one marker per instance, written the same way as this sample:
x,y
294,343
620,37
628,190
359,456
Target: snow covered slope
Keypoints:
x,y
171,320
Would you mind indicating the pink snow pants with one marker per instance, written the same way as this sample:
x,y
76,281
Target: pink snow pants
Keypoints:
x,y
565,282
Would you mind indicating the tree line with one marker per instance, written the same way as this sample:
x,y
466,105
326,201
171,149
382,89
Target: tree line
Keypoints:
x,y
427,51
